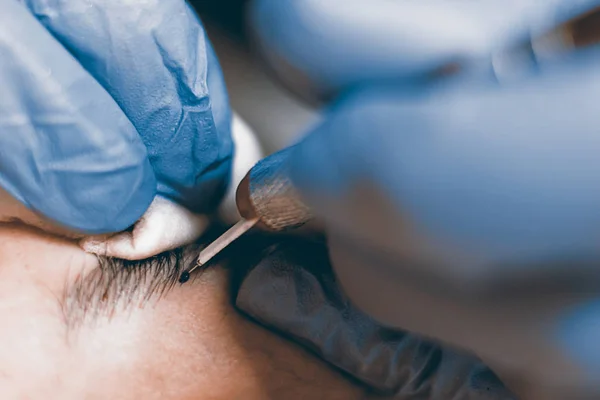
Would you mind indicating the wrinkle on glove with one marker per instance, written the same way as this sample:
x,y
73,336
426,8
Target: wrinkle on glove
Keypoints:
x,y
167,225
106,103
67,151
154,58
293,290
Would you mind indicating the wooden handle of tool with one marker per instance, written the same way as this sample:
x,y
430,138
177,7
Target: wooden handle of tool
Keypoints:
x,y
267,192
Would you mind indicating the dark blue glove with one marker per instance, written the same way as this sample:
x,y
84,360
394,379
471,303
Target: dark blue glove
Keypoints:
x,y
291,288
470,181
104,104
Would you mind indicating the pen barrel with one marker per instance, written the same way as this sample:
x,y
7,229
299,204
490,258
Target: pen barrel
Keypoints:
x,y
268,193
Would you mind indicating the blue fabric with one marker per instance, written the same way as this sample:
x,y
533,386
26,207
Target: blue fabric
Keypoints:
x,y
107,103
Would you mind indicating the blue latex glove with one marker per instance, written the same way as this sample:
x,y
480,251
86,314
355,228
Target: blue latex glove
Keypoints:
x,y
505,177
105,104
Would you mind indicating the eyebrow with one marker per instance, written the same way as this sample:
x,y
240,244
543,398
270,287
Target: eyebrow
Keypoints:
x,y
118,285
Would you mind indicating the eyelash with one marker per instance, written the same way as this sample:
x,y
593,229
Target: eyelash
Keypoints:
x,y
123,284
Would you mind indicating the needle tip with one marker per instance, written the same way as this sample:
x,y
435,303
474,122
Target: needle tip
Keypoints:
x,y
185,276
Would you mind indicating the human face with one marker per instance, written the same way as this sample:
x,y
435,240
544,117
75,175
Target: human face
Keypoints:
x,y
188,344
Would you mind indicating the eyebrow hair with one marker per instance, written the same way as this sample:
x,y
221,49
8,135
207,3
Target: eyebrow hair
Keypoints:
x,y
118,285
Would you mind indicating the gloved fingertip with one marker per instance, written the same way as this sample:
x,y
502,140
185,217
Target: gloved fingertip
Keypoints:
x,y
110,203
164,226
314,165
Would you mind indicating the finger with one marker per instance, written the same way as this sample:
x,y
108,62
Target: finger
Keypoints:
x,y
339,43
154,59
292,289
504,178
67,150
165,226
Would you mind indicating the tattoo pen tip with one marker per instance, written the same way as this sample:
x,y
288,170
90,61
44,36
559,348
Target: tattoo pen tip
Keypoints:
x,y
185,276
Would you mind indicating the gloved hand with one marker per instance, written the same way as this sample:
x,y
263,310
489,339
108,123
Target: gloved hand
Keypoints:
x,y
105,104
292,289
491,181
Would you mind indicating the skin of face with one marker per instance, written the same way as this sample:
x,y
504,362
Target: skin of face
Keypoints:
x,y
190,344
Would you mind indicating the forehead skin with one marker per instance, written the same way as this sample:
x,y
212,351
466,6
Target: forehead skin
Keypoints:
x,y
189,345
